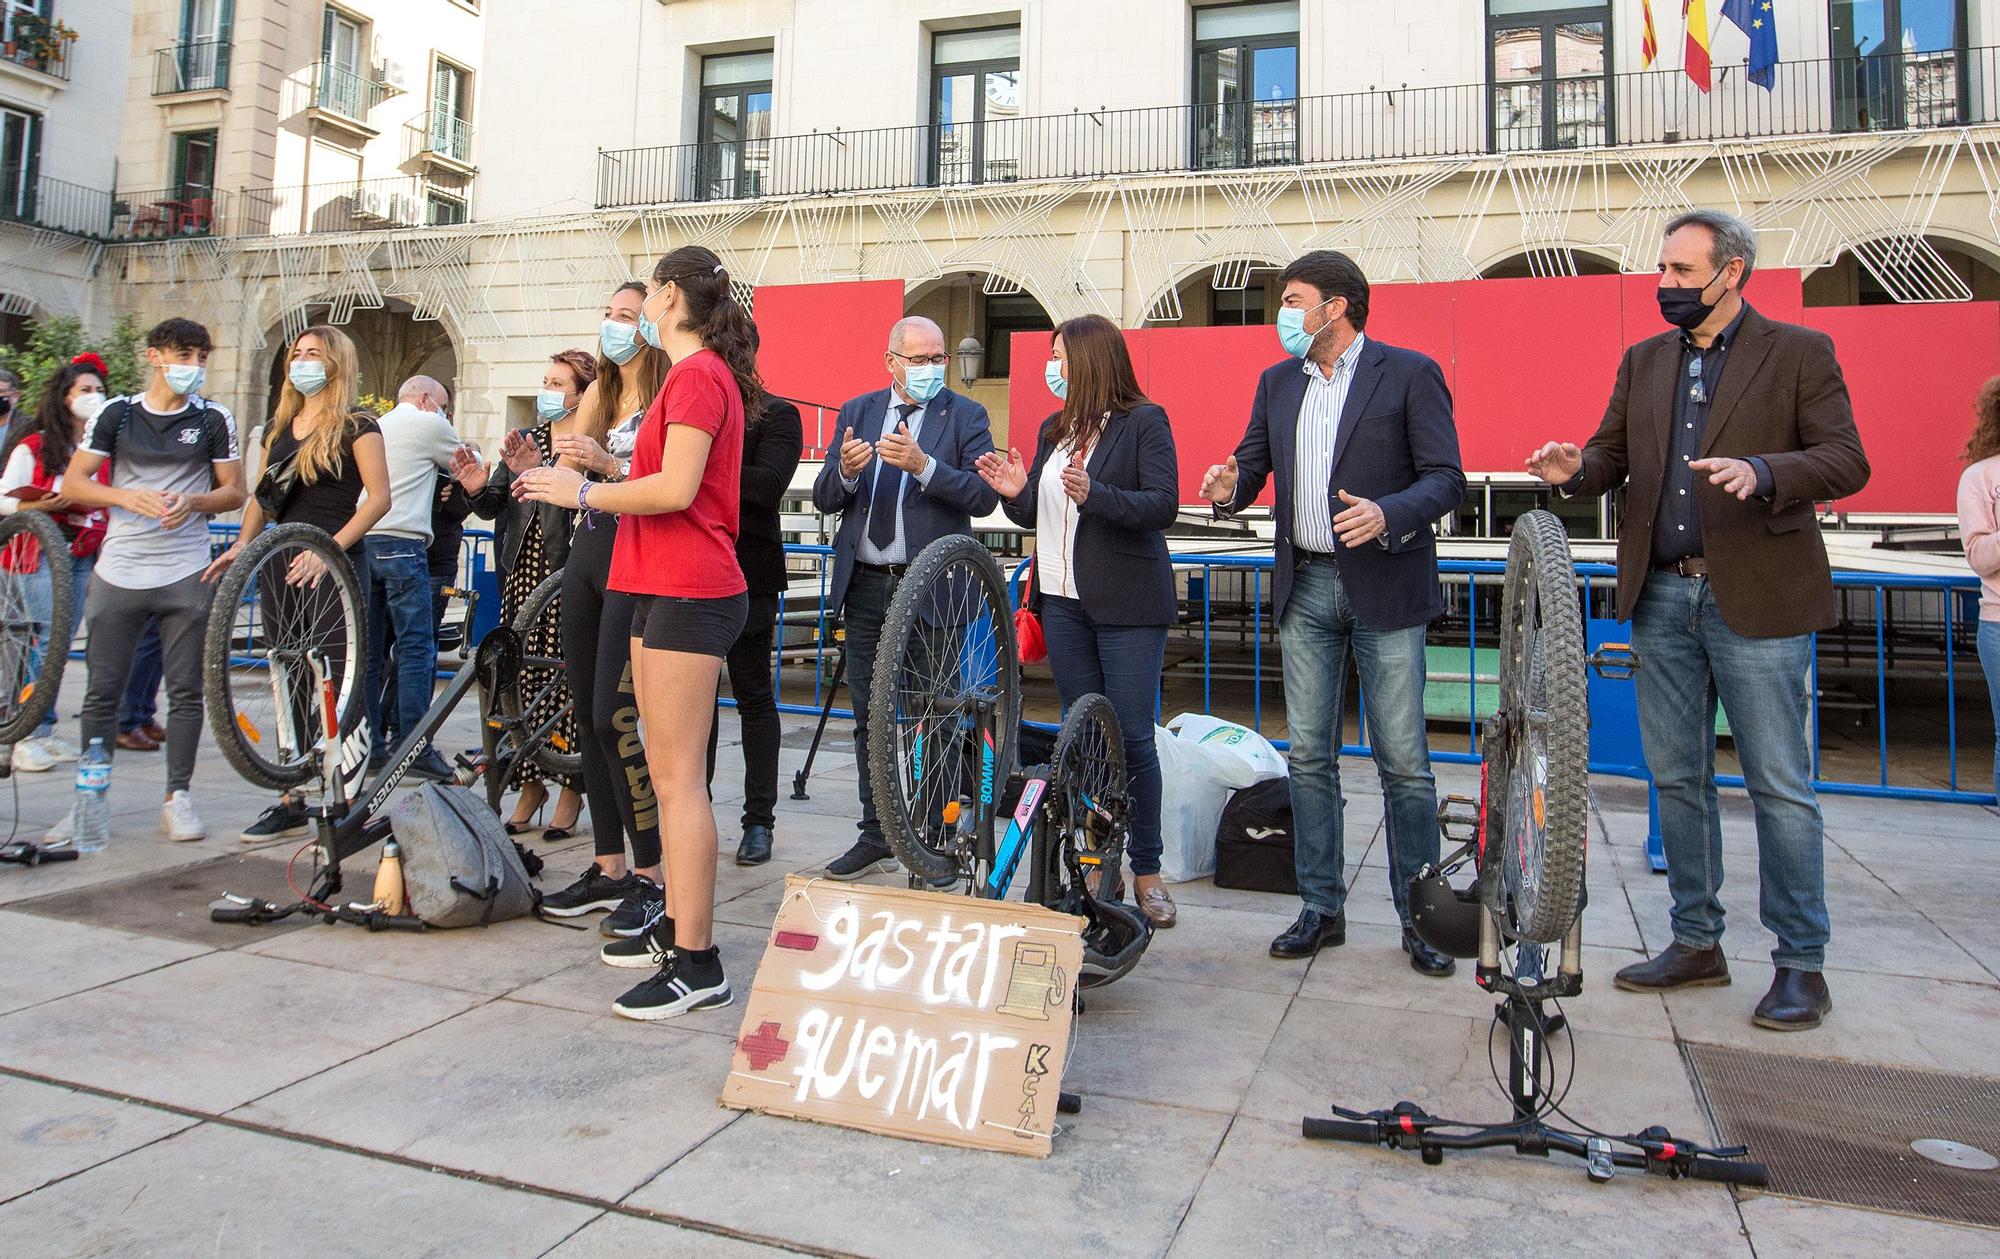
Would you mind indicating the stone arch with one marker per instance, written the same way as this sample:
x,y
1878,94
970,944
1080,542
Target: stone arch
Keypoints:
x,y
1514,262
1165,298
1971,271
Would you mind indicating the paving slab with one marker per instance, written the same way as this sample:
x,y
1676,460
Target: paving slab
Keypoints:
x,y
488,960
49,958
615,1236
173,902
593,1106
1121,1175
219,1190
47,1132
217,1030
588,986
1225,948
1141,1039
1789,1226
119,861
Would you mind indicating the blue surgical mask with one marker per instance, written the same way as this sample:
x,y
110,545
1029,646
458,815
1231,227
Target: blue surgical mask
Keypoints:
x,y
922,383
549,404
184,378
1057,382
1292,332
307,376
619,341
649,329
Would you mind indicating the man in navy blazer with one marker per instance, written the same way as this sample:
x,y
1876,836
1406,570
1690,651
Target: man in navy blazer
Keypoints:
x,y
1360,439
901,476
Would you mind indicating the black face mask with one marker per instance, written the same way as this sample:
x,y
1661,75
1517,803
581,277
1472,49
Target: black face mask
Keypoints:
x,y
1684,308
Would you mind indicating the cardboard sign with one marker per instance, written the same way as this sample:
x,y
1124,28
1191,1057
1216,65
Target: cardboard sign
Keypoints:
x,y
915,1014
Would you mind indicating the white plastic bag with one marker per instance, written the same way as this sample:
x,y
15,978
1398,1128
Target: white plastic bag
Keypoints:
x,y
1200,766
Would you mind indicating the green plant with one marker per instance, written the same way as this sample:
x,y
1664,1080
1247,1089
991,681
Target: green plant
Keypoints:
x,y
375,403
42,39
54,341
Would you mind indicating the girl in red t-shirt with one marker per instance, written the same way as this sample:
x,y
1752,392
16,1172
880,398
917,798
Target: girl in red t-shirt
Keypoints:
x,y
676,552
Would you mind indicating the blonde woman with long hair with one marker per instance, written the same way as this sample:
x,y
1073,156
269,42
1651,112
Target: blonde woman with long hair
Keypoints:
x,y
330,460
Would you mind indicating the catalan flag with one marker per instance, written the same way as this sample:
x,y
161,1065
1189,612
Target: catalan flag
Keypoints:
x,y
1753,18
1695,14
1649,43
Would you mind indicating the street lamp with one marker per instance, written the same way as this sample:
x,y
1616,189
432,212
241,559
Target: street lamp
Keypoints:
x,y
971,357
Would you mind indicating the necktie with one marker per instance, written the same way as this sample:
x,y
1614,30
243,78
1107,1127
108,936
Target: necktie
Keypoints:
x,y
888,495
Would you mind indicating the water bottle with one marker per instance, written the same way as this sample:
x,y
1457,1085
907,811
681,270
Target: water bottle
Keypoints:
x,y
90,817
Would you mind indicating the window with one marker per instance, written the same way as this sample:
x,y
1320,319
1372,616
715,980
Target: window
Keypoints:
x,y
1007,314
20,163
975,106
194,181
445,211
1246,85
1547,66
448,132
202,57
1237,308
1897,63
733,157
341,65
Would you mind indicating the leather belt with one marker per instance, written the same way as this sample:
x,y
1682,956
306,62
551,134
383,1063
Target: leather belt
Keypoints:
x,y
1692,566
887,570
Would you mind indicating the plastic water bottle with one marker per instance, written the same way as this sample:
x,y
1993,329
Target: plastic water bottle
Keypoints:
x,y
90,817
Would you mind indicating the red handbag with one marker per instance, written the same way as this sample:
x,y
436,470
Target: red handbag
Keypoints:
x,y
1028,640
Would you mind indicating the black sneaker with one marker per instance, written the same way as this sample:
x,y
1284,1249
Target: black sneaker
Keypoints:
x,y
432,768
687,981
865,858
282,820
643,951
593,891
642,906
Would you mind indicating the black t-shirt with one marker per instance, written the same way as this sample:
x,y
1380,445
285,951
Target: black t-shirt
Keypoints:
x,y
330,501
448,512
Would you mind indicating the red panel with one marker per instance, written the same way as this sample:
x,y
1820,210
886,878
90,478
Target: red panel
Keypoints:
x,y
1028,396
1536,361
1912,371
822,343
1416,317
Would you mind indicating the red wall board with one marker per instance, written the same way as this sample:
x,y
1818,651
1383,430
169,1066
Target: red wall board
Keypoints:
x,y
823,343
1536,361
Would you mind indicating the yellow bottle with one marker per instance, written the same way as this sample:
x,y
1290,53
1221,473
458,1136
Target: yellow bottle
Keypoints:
x,y
389,881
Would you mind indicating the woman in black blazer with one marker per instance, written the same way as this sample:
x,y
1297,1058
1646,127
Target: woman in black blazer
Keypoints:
x,y
772,445
1103,488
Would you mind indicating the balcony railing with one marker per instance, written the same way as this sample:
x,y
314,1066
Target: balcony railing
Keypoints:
x,y
55,204
200,65
345,93
37,44
1890,92
364,205
157,214
444,134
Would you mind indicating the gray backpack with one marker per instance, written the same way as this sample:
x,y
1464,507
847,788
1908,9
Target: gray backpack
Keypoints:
x,y
459,866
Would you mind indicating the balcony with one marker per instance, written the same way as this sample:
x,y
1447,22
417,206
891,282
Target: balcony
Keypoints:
x,y
200,65
1819,97
443,140
38,44
402,201
53,204
160,214
342,100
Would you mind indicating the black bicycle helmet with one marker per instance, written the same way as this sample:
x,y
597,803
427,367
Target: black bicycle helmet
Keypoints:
x,y
1445,918
1115,936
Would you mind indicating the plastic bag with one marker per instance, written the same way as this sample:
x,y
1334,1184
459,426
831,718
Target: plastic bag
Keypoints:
x,y
1263,760
1202,761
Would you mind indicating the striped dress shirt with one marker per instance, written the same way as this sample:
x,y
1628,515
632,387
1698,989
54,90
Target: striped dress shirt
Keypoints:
x,y
1312,466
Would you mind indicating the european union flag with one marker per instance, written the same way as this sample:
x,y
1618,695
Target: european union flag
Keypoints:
x,y
1753,18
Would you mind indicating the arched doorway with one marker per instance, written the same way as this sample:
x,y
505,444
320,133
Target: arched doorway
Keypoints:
x,y
391,346
1890,272
1535,264
988,309
1229,294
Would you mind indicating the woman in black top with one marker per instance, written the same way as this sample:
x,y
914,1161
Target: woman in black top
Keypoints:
x,y
331,459
772,444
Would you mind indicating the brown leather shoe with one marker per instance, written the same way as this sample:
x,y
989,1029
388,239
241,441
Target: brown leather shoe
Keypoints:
x,y
155,731
1677,967
1798,1001
137,741
1158,907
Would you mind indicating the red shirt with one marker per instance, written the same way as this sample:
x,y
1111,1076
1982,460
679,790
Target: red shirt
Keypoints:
x,y
688,554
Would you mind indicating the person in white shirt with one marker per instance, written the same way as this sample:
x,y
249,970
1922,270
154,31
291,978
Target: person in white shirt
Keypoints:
x,y
420,442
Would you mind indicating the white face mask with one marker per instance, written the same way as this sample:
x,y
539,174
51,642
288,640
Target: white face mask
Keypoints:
x,y
85,406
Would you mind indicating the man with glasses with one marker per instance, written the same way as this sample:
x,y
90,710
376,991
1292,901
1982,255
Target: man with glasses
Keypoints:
x,y
901,475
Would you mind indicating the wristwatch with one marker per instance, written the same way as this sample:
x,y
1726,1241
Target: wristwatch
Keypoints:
x,y
624,469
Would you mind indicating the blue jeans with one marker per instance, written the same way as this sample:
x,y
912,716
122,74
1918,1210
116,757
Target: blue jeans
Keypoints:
x,y
41,607
141,705
1319,632
1688,660
399,609
1989,660
1121,663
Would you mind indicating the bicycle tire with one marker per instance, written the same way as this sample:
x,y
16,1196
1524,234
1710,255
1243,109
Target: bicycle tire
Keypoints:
x,y
32,655
1539,800
941,570
1087,787
518,708
235,708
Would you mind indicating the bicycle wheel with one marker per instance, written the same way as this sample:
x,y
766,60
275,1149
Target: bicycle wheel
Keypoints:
x,y
37,599
272,646
534,705
944,704
1537,783
1086,802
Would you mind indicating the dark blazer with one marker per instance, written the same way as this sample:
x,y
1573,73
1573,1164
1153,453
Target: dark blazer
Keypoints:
x,y
771,450
1397,446
1781,399
955,432
1123,576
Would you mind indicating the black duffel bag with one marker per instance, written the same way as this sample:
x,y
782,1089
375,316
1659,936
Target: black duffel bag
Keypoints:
x,y
1253,841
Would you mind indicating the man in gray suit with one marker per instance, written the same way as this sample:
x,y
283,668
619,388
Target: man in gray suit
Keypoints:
x,y
901,476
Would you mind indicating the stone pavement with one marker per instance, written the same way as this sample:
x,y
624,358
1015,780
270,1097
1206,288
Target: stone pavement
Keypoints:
x,y
170,1087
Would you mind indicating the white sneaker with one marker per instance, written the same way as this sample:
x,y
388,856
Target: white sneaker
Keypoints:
x,y
60,748
179,820
32,756
62,832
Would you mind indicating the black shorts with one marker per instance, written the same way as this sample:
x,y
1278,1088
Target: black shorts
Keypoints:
x,y
705,627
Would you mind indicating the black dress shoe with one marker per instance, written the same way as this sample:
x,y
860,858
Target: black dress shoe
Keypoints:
x,y
1312,932
755,849
1424,959
1678,967
1797,1002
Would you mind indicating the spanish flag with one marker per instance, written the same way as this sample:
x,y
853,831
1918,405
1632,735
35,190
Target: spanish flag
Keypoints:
x,y
1695,14
1649,43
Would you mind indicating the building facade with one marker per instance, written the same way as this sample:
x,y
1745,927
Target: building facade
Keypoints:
x,y
462,182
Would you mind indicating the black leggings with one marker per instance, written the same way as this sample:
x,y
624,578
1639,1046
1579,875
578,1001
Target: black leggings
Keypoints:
x,y
757,710
597,652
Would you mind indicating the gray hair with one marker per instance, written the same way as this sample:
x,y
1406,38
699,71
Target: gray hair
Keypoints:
x,y
1733,238
8,379
902,326
417,388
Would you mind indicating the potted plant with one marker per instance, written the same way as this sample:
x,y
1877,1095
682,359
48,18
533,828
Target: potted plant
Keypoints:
x,y
44,40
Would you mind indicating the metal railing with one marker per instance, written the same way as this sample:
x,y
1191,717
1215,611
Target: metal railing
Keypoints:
x,y
199,65
444,134
1824,96
353,206
157,214
345,92
29,45
55,204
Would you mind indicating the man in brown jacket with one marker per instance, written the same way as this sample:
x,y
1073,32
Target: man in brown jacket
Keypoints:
x,y
1726,432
